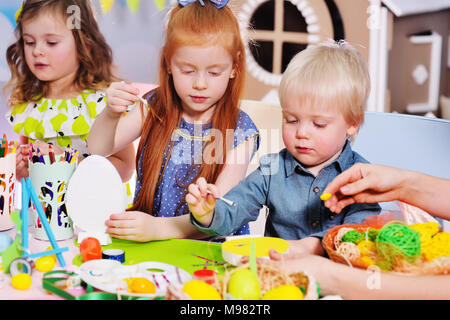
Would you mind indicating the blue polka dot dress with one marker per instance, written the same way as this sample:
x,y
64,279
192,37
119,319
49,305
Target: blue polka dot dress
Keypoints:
x,y
184,162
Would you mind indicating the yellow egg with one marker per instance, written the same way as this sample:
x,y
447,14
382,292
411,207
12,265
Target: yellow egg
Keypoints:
x,y
325,196
21,281
140,285
284,292
199,290
244,284
53,255
367,248
366,261
45,264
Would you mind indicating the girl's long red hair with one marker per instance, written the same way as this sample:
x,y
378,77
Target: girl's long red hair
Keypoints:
x,y
200,26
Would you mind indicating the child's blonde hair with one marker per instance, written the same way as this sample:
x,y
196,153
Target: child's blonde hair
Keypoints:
x,y
332,74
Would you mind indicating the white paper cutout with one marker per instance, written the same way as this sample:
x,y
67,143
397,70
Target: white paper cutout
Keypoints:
x,y
95,192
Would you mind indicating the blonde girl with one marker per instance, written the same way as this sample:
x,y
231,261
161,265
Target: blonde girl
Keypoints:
x,y
60,66
192,126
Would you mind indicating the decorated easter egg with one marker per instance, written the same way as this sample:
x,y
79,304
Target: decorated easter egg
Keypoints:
x,y
45,264
90,249
199,290
244,284
141,285
284,292
21,281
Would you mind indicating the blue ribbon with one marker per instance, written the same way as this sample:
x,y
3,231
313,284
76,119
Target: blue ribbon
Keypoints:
x,y
217,3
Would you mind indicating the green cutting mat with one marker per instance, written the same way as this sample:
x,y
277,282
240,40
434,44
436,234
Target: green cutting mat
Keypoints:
x,y
177,252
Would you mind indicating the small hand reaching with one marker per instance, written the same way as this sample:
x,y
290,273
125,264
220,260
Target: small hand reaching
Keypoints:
x,y
201,199
120,96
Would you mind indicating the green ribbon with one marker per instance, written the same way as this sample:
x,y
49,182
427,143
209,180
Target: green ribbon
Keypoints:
x,y
51,278
253,267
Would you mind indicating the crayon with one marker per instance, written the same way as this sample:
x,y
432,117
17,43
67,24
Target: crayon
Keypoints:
x,y
70,156
5,145
2,150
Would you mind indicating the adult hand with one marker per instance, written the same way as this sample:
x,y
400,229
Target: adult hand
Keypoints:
x,y
365,183
317,266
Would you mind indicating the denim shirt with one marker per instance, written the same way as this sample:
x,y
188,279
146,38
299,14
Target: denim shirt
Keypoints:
x,y
292,194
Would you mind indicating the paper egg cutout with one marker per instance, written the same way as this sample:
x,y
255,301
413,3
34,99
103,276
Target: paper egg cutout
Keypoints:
x,y
95,191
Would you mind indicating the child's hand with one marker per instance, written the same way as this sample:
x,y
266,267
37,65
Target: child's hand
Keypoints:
x,y
119,96
131,225
22,156
201,199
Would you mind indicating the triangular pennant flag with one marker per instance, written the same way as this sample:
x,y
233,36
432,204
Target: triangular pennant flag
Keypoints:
x,y
106,5
133,5
160,4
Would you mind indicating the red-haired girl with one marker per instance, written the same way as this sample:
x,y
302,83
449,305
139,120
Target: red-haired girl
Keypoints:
x,y
192,127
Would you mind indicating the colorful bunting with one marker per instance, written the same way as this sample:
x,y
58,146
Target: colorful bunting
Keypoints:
x,y
133,5
160,4
106,5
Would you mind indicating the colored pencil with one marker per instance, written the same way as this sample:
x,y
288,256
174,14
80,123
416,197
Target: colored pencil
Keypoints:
x,y
74,157
51,154
5,145
40,156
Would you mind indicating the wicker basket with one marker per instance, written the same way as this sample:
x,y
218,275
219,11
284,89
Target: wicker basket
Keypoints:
x,y
420,267
329,244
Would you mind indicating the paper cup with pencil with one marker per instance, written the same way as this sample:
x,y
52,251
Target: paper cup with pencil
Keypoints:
x,y
50,172
7,181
